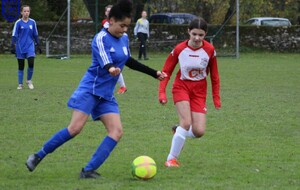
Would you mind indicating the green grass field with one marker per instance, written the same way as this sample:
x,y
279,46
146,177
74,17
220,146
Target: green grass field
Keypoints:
x,y
253,142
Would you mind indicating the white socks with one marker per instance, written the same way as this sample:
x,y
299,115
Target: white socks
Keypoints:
x,y
121,81
179,140
190,132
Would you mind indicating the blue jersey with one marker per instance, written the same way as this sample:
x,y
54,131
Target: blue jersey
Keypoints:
x,y
105,49
24,34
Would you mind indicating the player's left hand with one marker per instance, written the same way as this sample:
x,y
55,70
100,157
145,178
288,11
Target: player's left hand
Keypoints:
x,y
37,47
114,71
13,49
161,75
39,50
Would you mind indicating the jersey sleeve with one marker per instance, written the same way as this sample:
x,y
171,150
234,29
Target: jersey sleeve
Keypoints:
x,y
168,68
35,33
215,80
148,28
135,30
101,50
135,65
15,34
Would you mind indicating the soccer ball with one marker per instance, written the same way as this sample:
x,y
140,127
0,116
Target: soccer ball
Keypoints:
x,y
143,167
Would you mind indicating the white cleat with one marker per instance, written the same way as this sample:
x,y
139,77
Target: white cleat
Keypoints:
x,y
30,85
20,87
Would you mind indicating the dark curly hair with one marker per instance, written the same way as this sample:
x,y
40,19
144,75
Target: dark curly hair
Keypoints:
x,y
121,10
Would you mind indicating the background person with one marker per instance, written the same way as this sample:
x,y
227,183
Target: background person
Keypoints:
x,y
196,58
141,31
105,24
24,38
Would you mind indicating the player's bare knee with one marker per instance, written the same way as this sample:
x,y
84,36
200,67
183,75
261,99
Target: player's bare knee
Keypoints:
x,y
185,125
74,130
116,133
199,133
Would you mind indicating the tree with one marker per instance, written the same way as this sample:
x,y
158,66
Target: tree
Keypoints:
x,y
214,11
91,4
230,10
57,6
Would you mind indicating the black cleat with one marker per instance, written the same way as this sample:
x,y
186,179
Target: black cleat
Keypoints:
x,y
89,174
32,161
174,129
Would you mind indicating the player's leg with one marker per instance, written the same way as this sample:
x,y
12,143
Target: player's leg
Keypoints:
x,y
145,47
21,65
108,112
112,123
77,123
143,44
198,125
121,82
30,72
184,113
199,110
140,37
82,103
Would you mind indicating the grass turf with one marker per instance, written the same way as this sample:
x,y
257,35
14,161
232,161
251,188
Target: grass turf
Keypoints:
x,y
251,143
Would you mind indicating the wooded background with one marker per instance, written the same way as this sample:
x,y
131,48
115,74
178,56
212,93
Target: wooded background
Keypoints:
x,y
214,11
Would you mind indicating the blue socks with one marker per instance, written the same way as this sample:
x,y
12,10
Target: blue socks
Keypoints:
x,y
57,140
29,73
101,154
20,76
62,136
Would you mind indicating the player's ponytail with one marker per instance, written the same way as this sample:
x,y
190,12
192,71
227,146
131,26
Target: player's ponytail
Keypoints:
x,y
121,10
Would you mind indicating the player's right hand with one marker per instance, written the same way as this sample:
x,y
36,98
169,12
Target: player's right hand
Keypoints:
x,y
114,71
163,102
162,98
13,51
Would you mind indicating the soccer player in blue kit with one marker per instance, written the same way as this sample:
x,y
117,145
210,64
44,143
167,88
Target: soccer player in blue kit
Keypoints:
x,y
24,38
94,95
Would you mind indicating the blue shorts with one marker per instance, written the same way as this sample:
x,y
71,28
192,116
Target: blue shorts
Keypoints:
x,y
90,104
25,55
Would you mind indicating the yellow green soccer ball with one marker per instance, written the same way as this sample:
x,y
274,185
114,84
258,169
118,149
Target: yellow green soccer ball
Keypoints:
x,y
143,167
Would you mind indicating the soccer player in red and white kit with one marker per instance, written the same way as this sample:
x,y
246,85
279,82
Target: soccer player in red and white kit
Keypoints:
x,y
196,58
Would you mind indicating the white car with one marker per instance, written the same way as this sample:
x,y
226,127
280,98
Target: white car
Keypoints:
x,y
269,21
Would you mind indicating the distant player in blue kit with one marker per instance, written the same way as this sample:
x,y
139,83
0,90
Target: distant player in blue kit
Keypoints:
x,y
24,39
94,95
